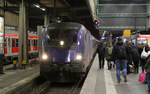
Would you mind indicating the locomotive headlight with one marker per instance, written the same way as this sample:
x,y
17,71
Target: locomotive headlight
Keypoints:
x,y
61,42
44,57
78,56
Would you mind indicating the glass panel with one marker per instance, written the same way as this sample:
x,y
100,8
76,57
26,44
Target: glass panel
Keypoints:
x,y
54,36
16,42
13,43
29,43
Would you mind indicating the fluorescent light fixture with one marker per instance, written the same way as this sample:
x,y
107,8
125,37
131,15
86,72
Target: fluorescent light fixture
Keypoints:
x,y
36,5
43,9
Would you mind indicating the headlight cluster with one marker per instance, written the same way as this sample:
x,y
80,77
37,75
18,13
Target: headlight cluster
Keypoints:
x,y
44,56
61,43
79,56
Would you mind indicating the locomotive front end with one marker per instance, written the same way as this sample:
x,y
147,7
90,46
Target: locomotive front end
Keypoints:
x,y
60,59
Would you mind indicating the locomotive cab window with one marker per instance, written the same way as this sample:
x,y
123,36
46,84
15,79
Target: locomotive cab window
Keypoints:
x,y
67,35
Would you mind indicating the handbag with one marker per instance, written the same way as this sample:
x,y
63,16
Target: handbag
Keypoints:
x,y
142,77
144,54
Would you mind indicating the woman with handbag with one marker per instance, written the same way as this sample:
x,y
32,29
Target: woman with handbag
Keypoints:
x,y
145,53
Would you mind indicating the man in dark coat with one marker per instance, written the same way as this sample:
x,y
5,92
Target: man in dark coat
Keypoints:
x,y
129,56
120,55
147,69
101,55
135,57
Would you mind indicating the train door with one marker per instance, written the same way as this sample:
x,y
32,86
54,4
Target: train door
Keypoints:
x,y
17,46
29,45
9,47
5,45
14,49
87,48
35,45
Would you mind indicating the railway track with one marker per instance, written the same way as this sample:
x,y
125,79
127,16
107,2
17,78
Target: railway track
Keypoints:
x,y
41,86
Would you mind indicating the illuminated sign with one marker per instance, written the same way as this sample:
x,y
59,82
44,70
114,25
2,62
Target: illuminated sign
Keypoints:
x,y
144,36
127,33
1,35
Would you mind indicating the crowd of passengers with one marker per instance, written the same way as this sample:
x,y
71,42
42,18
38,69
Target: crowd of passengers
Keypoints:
x,y
125,57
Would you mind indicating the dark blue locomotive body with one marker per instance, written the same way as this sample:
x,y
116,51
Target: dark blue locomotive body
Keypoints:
x,y
66,51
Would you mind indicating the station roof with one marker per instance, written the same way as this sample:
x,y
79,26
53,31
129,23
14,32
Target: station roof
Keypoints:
x,y
71,9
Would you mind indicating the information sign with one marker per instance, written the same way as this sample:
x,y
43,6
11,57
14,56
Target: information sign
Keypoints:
x,y
127,33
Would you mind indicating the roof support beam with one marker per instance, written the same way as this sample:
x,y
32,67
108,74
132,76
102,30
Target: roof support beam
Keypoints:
x,y
9,10
64,2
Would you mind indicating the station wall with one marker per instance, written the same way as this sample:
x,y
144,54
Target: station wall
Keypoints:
x,y
11,19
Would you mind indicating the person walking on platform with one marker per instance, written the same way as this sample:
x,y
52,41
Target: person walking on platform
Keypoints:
x,y
108,55
101,55
147,69
129,56
120,56
143,60
135,57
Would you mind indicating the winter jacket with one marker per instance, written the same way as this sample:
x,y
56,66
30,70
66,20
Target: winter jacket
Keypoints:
x,y
108,53
147,65
134,53
116,54
101,50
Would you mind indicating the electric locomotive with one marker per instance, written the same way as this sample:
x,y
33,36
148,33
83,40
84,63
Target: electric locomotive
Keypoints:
x,y
66,51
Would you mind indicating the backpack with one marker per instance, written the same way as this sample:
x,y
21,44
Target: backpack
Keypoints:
x,y
109,50
121,52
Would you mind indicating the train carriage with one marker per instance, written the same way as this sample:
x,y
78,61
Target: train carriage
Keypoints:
x,y
66,51
11,49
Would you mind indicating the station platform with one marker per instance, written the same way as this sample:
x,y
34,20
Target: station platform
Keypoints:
x,y
104,81
12,79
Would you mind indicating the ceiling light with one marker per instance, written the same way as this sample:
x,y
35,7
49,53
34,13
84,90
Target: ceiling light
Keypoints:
x,y
43,9
36,5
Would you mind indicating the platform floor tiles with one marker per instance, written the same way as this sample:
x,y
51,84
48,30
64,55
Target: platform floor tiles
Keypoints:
x,y
103,81
13,76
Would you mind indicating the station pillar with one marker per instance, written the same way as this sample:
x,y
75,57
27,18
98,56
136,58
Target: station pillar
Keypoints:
x,y
46,20
23,53
2,38
148,13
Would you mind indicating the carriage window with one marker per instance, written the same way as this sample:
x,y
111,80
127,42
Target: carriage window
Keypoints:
x,y
9,42
5,42
86,36
35,42
29,43
16,42
13,43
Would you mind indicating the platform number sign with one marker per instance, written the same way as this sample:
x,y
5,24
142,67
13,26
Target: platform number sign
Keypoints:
x,y
1,35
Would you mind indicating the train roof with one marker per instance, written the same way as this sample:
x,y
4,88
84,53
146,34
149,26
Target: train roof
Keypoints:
x,y
70,25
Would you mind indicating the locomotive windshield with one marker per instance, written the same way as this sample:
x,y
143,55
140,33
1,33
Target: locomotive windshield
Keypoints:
x,y
61,37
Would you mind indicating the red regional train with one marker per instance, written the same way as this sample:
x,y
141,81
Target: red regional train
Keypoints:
x,y
12,45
